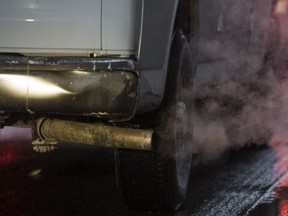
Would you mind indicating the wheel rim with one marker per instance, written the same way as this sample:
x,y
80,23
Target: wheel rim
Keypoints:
x,y
181,127
183,160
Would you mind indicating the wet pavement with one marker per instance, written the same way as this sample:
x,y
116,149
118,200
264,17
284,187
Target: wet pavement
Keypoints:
x,y
80,180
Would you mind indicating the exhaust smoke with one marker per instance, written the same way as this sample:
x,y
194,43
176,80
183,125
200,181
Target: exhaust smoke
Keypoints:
x,y
234,111
238,102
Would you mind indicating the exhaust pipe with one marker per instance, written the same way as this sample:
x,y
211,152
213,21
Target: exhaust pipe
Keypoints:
x,y
92,134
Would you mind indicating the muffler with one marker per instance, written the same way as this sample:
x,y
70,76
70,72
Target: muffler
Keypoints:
x,y
96,87
51,131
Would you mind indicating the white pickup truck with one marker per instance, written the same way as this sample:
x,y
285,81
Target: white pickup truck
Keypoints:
x,y
120,73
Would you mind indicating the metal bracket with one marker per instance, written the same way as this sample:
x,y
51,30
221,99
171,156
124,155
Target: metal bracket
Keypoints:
x,y
41,144
44,145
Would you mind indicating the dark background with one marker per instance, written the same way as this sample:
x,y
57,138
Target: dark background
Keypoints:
x,y
80,180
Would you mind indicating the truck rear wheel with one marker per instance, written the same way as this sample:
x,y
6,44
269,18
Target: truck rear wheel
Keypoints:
x,y
158,180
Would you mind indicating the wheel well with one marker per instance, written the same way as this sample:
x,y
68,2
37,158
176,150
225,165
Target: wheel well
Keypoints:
x,y
183,16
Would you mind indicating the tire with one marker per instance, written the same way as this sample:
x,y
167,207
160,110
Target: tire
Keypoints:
x,y
158,180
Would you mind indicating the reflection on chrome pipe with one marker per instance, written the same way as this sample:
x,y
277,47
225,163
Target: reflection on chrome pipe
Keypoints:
x,y
94,134
33,87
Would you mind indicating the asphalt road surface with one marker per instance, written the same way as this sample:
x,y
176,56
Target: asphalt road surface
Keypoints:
x,y
80,180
